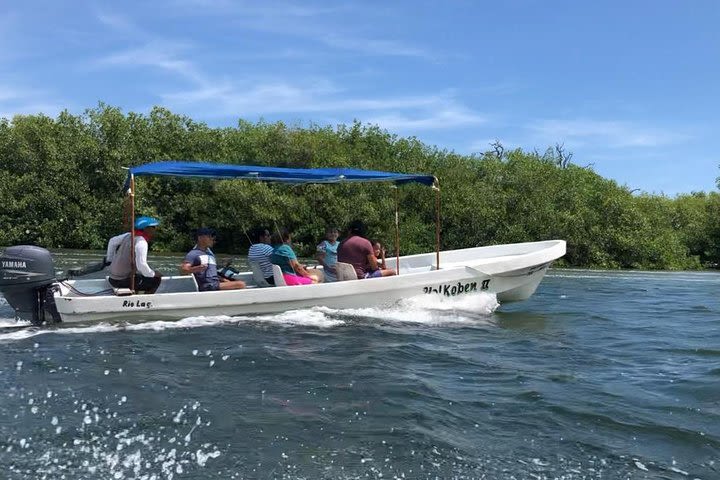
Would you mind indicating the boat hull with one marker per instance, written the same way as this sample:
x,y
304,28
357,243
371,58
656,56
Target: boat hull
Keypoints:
x,y
511,272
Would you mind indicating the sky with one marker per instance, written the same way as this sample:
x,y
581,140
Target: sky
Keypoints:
x,y
630,88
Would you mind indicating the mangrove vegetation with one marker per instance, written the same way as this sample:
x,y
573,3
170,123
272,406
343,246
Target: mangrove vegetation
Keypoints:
x,y
61,181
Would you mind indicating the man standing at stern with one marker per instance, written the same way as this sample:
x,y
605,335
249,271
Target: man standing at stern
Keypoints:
x,y
121,269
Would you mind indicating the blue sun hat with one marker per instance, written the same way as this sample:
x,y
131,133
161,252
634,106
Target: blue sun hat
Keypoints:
x,y
141,223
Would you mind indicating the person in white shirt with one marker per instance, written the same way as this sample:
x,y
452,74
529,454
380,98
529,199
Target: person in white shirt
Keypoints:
x,y
121,269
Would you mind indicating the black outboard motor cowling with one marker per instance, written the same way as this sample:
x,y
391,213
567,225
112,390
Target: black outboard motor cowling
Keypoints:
x,y
27,274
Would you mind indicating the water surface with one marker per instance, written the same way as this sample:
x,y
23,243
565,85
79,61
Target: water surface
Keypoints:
x,y
600,375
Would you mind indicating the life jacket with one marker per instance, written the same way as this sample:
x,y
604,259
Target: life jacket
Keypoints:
x,y
121,266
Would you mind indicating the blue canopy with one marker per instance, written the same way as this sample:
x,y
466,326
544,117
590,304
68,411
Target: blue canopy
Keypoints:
x,y
274,174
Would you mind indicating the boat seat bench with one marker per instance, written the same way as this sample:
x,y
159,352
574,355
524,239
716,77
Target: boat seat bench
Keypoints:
x,y
345,271
258,276
278,276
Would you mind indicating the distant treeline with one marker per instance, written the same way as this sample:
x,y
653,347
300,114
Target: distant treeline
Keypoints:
x,y
61,180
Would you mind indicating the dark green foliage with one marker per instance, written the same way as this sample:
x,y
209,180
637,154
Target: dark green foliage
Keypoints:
x,y
60,182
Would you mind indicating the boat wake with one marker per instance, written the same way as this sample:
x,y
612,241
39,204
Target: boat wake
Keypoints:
x,y
416,310
426,310
190,322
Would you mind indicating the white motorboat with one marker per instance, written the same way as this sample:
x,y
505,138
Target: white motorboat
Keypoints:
x,y
512,272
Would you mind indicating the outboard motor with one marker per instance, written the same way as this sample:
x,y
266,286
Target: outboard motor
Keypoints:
x,y
27,278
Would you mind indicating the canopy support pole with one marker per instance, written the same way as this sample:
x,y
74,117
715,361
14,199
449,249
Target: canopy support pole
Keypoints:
x,y
436,187
397,230
132,233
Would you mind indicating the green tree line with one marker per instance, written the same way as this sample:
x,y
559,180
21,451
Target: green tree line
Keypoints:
x,y
61,180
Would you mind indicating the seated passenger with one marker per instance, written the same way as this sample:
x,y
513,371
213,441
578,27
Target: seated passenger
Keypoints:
x,y
260,252
327,253
283,256
200,261
121,269
358,252
379,253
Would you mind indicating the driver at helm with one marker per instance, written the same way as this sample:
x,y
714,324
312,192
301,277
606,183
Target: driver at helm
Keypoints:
x,y
121,269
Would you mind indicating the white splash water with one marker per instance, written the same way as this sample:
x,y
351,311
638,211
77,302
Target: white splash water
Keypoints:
x,y
479,304
100,450
312,317
190,322
425,309
12,323
429,310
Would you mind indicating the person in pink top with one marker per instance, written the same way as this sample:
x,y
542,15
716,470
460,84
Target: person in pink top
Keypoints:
x,y
358,252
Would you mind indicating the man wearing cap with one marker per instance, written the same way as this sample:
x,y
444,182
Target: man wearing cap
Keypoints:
x,y
200,261
146,279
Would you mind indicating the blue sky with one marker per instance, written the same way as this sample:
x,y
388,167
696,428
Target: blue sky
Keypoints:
x,y
630,87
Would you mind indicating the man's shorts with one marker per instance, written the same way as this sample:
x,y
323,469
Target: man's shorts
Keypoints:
x,y
142,284
209,287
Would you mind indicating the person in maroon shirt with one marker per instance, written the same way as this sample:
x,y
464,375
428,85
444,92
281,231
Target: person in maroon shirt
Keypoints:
x,y
358,252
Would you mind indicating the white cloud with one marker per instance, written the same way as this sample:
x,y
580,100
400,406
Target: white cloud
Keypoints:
x,y
372,46
277,10
30,108
262,96
118,23
26,101
213,96
160,55
326,25
432,119
485,145
616,134
217,96
9,93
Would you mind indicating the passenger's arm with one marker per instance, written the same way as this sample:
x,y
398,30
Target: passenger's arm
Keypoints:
x,y
372,261
320,257
299,269
186,268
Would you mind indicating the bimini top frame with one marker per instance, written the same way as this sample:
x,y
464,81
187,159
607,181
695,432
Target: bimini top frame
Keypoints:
x,y
295,176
